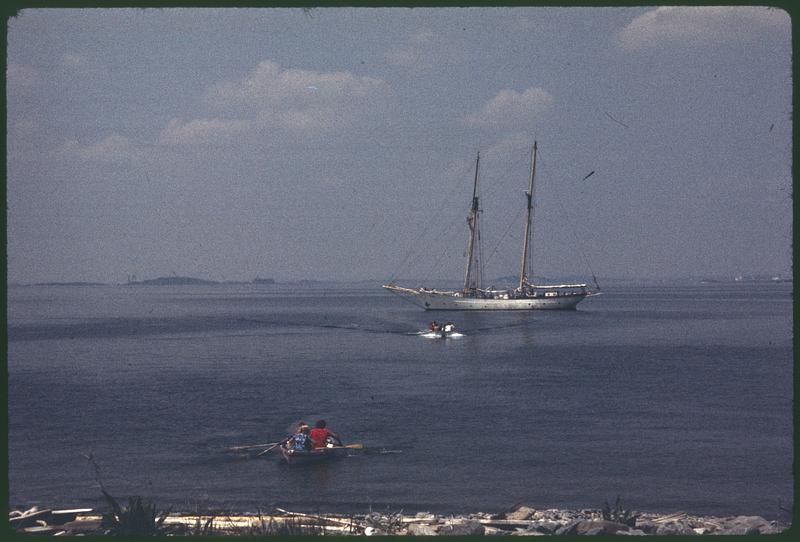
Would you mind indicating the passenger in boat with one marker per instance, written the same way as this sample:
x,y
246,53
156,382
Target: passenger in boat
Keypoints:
x,y
320,435
433,326
301,441
448,327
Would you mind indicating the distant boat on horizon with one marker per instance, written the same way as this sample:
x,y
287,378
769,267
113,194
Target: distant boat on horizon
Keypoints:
x,y
473,297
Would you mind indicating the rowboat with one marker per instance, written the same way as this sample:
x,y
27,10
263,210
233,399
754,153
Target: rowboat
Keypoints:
x,y
300,457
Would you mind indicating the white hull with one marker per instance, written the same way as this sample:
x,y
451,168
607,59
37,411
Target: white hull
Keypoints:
x,y
438,302
449,301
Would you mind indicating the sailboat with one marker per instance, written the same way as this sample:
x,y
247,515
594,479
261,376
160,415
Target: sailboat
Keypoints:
x,y
473,297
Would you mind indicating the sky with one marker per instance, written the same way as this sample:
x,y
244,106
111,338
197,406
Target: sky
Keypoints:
x,y
340,143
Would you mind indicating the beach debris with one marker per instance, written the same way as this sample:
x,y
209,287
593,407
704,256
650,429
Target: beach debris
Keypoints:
x,y
521,521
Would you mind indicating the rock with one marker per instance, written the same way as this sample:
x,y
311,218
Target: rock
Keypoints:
x,y
420,529
745,525
647,526
494,531
675,528
546,526
527,532
521,513
462,528
633,532
588,527
568,528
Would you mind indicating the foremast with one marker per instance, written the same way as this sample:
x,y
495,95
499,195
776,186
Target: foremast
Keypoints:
x,y
472,276
526,244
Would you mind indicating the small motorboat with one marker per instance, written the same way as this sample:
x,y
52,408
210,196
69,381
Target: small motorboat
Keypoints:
x,y
441,331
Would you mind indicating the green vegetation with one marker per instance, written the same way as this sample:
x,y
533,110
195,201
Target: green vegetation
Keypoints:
x,y
619,514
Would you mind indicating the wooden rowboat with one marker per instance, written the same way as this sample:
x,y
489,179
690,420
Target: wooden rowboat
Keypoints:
x,y
298,457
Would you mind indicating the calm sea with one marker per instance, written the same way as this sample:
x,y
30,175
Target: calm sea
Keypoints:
x,y
670,397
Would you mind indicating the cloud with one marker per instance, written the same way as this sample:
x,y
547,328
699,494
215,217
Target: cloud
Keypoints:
x,y
114,148
699,24
502,150
510,108
299,100
201,131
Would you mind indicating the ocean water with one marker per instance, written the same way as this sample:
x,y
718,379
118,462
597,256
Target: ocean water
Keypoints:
x,y
670,397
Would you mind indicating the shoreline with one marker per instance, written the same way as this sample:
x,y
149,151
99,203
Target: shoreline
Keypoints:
x,y
523,521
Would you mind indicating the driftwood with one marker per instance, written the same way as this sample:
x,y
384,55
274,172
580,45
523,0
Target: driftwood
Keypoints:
x,y
670,517
338,521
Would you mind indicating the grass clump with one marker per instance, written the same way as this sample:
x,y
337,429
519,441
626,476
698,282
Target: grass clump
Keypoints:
x,y
139,518
618,514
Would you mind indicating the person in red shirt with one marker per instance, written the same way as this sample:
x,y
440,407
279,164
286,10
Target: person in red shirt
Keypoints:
x,y
320,435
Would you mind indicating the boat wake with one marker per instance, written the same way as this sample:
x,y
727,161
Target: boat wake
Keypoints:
x,y
438,335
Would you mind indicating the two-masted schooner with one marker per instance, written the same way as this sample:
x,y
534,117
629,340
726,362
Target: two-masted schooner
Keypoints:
x,y
526,296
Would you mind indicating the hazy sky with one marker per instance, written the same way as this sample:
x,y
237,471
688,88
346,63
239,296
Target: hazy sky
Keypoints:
x,y
340,143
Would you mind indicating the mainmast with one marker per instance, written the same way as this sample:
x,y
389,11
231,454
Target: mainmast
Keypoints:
x,y
472,222
526,249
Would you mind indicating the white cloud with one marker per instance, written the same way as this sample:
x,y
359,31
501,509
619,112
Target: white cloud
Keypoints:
x,y
114,148
699,24
299,100
201,131
510,108
502,150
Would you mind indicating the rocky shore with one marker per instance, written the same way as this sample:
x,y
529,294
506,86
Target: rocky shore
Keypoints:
x,y
523,521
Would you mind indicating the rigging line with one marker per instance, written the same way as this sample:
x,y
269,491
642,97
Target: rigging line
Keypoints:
x,y
443,253
407,300
577,239
425,229
505,235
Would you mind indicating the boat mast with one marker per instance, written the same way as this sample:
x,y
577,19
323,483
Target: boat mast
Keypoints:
x,y
472,222
526,248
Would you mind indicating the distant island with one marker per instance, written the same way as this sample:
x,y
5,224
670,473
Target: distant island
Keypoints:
x,y
68,284
191,281
172,281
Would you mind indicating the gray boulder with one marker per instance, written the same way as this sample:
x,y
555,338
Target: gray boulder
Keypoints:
x,y
462,528
521,513
675,528
745,525
568,528
594,527
420,529
546,526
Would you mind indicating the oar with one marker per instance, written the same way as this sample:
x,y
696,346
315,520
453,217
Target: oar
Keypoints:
x,y
284,441
357,446
249,446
